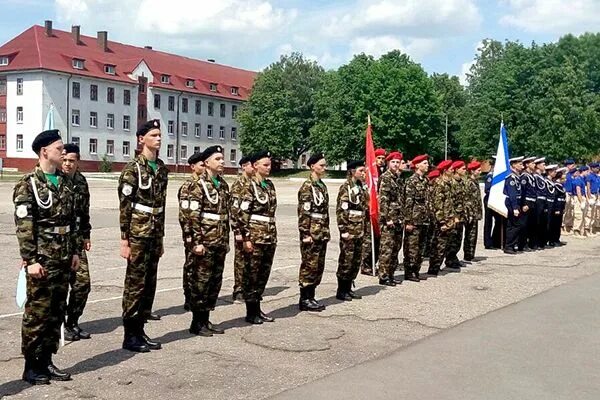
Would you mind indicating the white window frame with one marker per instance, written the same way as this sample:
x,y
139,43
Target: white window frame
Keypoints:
x,y
93,119
221,133
183,152
233,152
125,91
209,131
233,134
234,109
170,151
110,69
213,87
4,61
184,128
196,149
78,63
19,86
93,142
126,148
2,115
171,127
110,121
75,140
126,123
78,86
197,130
223,110
2,142
166,79
96,97
110,143
211,109
109,90
19,143
189,83
235,91
75,117
198,107
20,115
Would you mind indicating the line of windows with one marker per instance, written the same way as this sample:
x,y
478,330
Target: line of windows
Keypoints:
x,y
197,106
183,152
110,120
198,130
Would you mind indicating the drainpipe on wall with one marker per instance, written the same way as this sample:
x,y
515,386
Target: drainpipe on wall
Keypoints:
x,y
68,122
177,135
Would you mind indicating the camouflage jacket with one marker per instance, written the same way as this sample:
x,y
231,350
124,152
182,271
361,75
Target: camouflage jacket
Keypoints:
x,y
458,193
208,215
82,205
416,203
142,197
352,209
183,201
235,196
313,210
45,218
474,192
390,198
256,216
442,203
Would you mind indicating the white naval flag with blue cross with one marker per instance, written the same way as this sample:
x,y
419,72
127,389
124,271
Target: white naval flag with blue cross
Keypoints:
x,y
497,197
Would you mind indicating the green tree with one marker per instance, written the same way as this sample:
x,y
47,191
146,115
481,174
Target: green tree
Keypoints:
x,y
452,99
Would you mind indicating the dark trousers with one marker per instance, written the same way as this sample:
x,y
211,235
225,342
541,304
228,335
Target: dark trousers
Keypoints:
x,y
514,227
528,234
541,221
554,227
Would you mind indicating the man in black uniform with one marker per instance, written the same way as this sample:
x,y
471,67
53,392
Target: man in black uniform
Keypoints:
x,y
512,190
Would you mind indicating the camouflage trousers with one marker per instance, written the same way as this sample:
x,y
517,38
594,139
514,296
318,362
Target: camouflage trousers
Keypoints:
x,y
454,242
45,309
187,272
257,271
206,278
239,262
139,288
313,263
349,260
470,241
438,248
389,247
80,284
413,249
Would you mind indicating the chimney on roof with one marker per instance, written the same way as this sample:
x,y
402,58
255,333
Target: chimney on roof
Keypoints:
x,y
76,33
48,27
103,40
211,60
148,47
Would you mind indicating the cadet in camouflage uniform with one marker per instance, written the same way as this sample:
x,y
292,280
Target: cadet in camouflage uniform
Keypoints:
x,y
256,218
45,220
313,225
416,218
142,194
390,220
367,248
208,239
80,280
352,220
197,167
459,193
240,257
475,210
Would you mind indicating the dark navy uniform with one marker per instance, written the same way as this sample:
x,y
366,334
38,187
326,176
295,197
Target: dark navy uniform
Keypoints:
x,y
541,210
528,198
556,215
512,190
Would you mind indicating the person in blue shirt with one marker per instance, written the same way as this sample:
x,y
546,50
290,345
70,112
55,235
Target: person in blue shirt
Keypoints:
x,y
580,200
593,180
568,186
512,190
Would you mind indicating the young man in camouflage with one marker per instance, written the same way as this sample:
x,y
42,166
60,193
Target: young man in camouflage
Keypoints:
x,y
256,218
45,220
208,239
352,219
390,220
367,247
240,257
142,194
459,193
313,225
197,167
475,210
416,218
80,279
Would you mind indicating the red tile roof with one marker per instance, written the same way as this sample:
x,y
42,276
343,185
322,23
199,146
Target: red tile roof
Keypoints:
x,y
32,49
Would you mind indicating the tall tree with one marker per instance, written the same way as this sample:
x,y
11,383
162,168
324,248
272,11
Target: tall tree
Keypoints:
x,y
452,99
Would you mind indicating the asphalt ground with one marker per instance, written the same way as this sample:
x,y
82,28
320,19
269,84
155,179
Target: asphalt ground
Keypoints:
x,y
255,362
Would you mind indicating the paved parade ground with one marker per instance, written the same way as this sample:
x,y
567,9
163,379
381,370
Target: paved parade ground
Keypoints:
x,y
255,362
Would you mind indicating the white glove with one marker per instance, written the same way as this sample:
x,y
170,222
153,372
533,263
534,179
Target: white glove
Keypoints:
x,y
592,202
583,205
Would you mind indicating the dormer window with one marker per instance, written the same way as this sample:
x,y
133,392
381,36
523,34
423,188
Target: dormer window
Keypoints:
x,y
189,83
109,69
4,61
213,87
235,91
165,79
78,63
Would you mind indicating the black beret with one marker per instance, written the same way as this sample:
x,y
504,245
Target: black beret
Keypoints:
x,y
244,160
315,158
194,158
260,155
209,151
147,127
354,164
71,148
44,139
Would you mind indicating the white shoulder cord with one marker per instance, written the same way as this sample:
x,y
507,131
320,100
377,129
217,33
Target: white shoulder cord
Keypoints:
x,y
140,185
45,205
350,196
550,186
210,199
318,197
263,200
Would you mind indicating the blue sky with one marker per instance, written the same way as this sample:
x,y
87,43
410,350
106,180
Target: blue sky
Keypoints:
x,y
442,35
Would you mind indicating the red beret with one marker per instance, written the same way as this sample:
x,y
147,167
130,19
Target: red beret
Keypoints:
x,y
473,165
457,164
395,155
380,152
444,165
434,174
419,159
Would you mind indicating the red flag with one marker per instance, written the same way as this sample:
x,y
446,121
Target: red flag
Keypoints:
x,y
372,177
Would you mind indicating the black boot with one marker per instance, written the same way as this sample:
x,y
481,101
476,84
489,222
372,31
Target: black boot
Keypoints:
x,y
387,282
209,325
305,304
252,313
342,293
133,341
152,317
71,334
311,297
264,317
33,374
54,373
73,323
152,344
351,292
198,326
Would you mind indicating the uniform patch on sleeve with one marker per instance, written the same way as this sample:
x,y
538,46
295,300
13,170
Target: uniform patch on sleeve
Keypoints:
x,y
344,205
194,205
512,183
524,181
127,189
245,205
21,211
236,203
307,206
185,204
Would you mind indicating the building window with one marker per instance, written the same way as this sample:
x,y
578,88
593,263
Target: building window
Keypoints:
x,y
222,132
170,150
171,105
2,86
125,149
189,83
110,147
19,142
78,63
109,69
3,61
198,107
184,128
2,115
183,152
196,149
184,105
166,79
142,112
233,111
211,108
19,115
233,133
94,92
19,86
75,140
157,101
126,122
110,95
171,127
223,112
213,87
232,155
197,130
75,117
93,119
127,97
235,91
93,146
110,121
2,142
76,92
209,131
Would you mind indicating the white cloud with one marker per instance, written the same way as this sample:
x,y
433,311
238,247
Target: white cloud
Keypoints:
x,y
552,16
466,67
379,45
